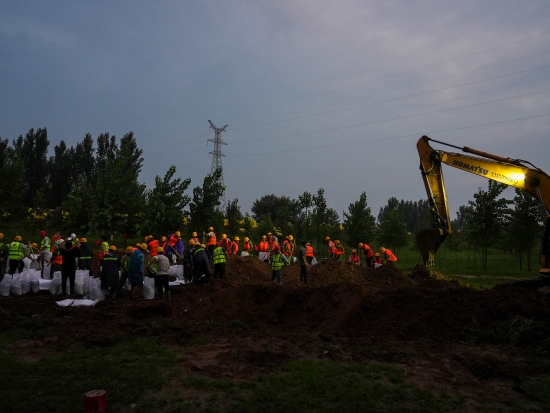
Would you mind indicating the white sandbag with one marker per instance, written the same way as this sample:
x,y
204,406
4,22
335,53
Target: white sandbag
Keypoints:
x,y
44,285
127,285
79,278
149,288
263,256
76,303
27,262
177,271
377,265
97,293
25,281
55,285
5,285
47,269
244,254
34,280
313,261
172,270
16,287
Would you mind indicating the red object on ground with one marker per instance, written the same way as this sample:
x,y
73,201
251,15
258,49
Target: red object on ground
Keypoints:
x,y
96,401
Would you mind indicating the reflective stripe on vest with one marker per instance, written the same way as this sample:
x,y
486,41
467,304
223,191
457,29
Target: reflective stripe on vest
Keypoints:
x,y
84,258
16,251
58,258
218,256
277,262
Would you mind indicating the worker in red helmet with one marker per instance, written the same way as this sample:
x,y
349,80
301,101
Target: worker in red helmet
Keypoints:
x,y
278,261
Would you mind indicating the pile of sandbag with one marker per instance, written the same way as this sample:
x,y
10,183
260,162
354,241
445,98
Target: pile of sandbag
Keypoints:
x,y
20,283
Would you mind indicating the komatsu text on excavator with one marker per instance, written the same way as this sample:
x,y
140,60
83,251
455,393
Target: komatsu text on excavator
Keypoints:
x,y
514,172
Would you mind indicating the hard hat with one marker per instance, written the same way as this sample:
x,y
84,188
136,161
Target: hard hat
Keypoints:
x,y
269,233
83,240
142,246
327,238
210,228
160,249
264,237
246,239
382,249
73,235
112,248
1,236
276,248
163,238
191,242
290,237
224,236
34,245
202,245
18,238
337,241
360,245
42,234
178,233
377,255
236,239
353,250
194,234
129,250
148,237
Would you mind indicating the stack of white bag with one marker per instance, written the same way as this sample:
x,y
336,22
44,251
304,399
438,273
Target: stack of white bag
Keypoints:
x,y
20,283
91,288
177,271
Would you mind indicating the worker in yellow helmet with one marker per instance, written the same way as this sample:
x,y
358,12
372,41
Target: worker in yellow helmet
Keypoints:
x,y
16,254
389,257
194,237
354,258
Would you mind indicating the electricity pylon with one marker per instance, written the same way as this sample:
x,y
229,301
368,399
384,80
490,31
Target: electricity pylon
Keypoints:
x,y
217,154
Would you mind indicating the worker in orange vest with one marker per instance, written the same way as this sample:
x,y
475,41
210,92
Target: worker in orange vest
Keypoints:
x,y
152,245
389,257
225,242
331,248
377,260
270,240
287,248
247,245
354,258
264,245
211,242
310,253
234,246
339,251
194,238
368,253
162,243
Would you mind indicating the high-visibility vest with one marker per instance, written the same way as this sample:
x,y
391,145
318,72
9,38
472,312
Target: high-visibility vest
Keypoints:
x,y
247,246
153,245
58,258
277,262
194,239
212,239
354,259
264,246
368,252
390,256
16,251
309,251
43,245
331,248
153,266
340,249
173,240
287,248
86,250
218,256
106,248
234,248
124,263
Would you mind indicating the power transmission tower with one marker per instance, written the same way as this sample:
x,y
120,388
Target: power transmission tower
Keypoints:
x,y
217,154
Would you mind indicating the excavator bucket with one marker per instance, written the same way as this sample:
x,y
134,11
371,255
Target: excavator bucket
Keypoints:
x,y
429,241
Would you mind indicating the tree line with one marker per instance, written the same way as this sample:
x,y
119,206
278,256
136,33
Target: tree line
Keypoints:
x,y
94,187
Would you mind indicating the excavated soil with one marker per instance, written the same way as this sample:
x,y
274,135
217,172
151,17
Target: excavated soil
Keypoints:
x,y
447,337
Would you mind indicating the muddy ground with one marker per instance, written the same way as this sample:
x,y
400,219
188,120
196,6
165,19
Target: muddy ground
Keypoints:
x,y
480,344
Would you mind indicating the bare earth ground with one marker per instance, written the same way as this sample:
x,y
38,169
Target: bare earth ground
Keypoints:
x,y
478,344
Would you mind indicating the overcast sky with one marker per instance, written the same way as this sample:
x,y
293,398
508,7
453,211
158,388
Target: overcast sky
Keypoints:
x,y
287,75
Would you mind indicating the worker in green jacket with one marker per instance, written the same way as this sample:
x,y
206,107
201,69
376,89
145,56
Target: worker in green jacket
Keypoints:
x,y
219,256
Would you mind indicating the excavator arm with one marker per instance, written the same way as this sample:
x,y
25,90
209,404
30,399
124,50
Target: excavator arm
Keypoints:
x,y
513,172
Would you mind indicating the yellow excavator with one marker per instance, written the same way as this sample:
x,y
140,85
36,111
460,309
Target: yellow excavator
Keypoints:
x,y
514,172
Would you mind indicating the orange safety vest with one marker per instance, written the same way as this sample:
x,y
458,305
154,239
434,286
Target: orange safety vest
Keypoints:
x,y
377,260
390,256
339,251
195,240
153,245
331,248
354,259
234,247
368,252
58,258
309,251
287,248
225,243
246,246
212,239
173,240
264,246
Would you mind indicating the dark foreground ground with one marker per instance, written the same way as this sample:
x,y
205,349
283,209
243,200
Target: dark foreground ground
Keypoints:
x,y
353,339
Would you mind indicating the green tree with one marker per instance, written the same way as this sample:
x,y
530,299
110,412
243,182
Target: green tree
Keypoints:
x,y
359,222
281,209
525,226
166,203
392,230
325,220
487,218
234,216
304,221
204,208
12,186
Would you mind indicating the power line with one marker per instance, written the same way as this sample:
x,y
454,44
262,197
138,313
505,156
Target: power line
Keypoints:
x,y
387,139
389,100
177,157
387,77
404,87
391,119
